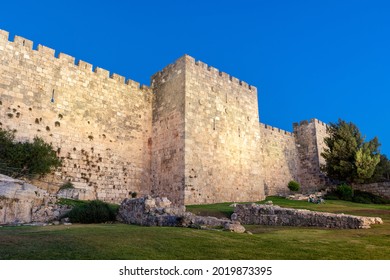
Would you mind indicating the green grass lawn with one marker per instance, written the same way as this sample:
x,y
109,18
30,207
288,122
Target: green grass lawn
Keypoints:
x,y
119,241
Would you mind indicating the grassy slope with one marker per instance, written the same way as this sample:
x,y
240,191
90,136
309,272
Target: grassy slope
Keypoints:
x,y
117,241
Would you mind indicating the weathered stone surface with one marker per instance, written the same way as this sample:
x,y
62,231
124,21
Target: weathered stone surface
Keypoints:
x,y
234,227
150,211
382,189
21,202
99,124
193,136
309,138
49,213
18,199
260,214
77,193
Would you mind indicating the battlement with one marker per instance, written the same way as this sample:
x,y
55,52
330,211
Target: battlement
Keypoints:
x,y
307,122
275,129
222,75
67,59
210,69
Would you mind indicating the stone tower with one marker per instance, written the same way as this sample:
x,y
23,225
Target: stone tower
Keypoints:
x,y
205,135
309,137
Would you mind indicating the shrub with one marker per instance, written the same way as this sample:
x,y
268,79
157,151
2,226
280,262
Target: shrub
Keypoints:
x,y
71,202
368,198
293,186
67,185
94,211
361,199
332,196
20,159
344,191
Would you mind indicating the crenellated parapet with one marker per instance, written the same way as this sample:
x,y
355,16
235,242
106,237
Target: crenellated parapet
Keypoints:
x,y
212,71
275,129
68,60
307,122
224,76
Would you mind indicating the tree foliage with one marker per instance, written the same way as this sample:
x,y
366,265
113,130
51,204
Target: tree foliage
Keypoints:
x,y
26,159
348,157
382,170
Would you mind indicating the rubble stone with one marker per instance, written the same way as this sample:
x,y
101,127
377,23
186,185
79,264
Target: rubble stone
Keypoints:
x,y
259,214
157,211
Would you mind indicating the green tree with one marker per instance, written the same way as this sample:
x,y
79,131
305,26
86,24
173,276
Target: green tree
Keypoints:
x,y
26,159
382,170
348,157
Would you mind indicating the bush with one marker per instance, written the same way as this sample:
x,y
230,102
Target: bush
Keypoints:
x,y
18,159
294,186
368,198
344,192
332,196
67,185
71,202
94,211
361,199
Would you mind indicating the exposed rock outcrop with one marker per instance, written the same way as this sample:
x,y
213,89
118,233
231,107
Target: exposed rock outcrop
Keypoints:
x,y
81,191
21,202
157,211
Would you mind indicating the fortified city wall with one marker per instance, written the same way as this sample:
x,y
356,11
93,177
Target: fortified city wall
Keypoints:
x,y
279,157
193,136
99,124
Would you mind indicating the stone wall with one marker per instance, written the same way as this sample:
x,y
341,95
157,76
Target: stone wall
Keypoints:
x,y
382,189
99,124
279,157
221,137
194,136
168,132
259,214
309,137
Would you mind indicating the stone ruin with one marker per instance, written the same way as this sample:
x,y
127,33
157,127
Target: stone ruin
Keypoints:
x,y
273,215
158,211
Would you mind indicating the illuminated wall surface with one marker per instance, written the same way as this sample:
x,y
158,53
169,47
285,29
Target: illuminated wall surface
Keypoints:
x,y
193,135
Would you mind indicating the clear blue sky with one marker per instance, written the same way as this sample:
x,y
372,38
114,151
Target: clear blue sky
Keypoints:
x,y
308,59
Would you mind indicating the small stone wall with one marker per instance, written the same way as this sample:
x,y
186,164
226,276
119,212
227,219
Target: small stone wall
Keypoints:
x,y
382,189
257,214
